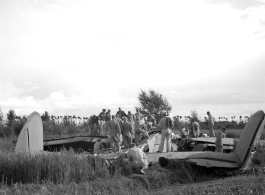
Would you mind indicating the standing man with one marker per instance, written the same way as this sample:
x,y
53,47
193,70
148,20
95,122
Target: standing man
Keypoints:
x,y
138,115
108,118
119,120
210,124
165,125
131,119
115,134
102,121
121,113
126,131
137,159
218,142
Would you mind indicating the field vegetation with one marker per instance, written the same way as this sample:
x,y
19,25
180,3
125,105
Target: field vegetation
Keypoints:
x,y
68,173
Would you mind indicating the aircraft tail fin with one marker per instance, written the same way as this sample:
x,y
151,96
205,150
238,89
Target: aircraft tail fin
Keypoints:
x,y
31,136
249,138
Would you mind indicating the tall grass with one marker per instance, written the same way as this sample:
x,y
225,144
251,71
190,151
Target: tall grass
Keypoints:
x,y
57,168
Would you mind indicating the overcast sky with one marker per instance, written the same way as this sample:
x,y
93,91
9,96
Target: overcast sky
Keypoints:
x,y
77,57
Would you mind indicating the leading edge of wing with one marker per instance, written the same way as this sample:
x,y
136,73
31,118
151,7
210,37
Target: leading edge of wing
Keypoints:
x,y
207,159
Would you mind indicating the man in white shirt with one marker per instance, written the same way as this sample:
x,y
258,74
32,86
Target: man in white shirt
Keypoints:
x,y
137,159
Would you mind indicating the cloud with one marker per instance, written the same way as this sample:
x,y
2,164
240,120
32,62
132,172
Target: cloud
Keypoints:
x,y
216,97
239,4
8,90
37,5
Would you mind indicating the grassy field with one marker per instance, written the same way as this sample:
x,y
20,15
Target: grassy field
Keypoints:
x,y
65,173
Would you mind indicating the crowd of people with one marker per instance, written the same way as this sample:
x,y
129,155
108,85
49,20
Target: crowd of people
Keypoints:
x,y
125,128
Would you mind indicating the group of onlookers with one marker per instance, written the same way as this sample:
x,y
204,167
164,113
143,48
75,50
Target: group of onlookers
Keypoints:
x,y
120,127
128,127
125,127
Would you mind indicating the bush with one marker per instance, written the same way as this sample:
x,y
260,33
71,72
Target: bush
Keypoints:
x,y
232,135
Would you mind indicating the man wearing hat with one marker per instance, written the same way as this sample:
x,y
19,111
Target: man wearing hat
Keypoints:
x,y
210,124
137,159
165,125
126,131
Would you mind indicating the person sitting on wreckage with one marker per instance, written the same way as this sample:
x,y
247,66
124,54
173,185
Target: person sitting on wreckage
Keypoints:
x,y
137,159
98,147
218,142
184,133
140,129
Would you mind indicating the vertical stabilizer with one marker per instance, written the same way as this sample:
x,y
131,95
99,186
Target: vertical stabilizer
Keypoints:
x,y
248,138
31,136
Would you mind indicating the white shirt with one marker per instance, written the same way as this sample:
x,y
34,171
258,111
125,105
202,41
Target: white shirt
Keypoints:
x,y
136,155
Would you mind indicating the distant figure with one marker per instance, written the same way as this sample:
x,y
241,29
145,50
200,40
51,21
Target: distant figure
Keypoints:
x,y
126,131
139,129
195,129
98,147
115,134
119,120
121,113
137,159
138,115
131,119
151,120
218,142
157,116
108,116
210,124
102,122
95,130
165,125
184,133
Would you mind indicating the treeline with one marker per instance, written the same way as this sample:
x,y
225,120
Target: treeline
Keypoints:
x,y
65,125
52,125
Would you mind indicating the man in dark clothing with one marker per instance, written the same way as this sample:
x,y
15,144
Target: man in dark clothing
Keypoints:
x,y
108,116
126,131
121,113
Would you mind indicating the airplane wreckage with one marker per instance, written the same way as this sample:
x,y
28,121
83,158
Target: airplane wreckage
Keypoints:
x,y
31,141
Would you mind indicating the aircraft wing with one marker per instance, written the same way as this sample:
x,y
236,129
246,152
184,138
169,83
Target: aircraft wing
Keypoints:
x,y
226,141
206,159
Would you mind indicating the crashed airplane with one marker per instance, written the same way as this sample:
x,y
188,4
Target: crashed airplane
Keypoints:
x,y
31,140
